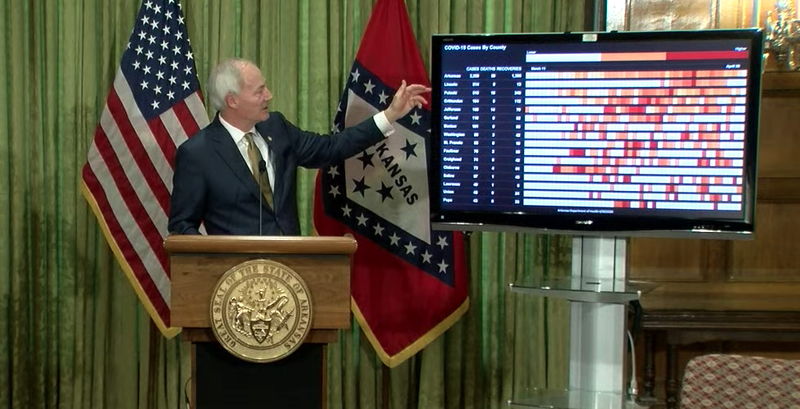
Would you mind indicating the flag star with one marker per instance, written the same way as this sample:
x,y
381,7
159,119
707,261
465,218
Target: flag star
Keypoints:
x,y
180,18
335,128
378,229
426,257
172,80
188,70
386,192
395,240
160,75
162,60
168,14
410,248
339,107
369,86
362,220
157,9
136,65
179,34
334,191
166,29
128,46
409,149
360,186
415,118
154,24
142,35
146,69
346,210
189,55
366,159
333,171
442,242
176,50
171,1
139,50
174,64
443,267
148,4
144,84
151,39
383,97
155,104
171,95
355,75
149,55
185,85
164,45
145,20
157,89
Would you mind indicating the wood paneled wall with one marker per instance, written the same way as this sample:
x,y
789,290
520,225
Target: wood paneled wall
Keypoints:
x,y
755,275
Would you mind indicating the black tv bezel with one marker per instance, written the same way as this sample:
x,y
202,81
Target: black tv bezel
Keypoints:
x,y
599,225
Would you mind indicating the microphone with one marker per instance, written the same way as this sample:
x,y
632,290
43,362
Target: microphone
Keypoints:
x,y
262,172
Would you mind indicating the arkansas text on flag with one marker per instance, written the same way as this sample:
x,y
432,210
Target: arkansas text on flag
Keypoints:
x,y
153,106
409,283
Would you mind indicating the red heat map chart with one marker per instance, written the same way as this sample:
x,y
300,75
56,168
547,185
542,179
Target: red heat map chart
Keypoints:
x,y
670,136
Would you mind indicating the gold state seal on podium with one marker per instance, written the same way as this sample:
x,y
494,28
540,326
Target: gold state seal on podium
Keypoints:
x,y
261,311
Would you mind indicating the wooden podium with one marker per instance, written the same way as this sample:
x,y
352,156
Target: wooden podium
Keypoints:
x,y
196,264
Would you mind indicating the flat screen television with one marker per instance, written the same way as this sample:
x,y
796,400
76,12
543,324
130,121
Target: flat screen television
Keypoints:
x,y
613,133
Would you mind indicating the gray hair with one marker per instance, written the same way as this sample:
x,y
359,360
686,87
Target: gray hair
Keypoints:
x,y
225,78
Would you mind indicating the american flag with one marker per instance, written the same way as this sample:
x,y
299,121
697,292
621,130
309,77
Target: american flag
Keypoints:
x,y
409,284
153,106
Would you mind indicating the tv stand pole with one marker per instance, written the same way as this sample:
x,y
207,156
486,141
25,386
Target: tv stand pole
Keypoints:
x,y
599,295
597,329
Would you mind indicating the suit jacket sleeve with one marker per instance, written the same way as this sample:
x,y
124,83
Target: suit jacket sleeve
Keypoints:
x,y
317,150
188,193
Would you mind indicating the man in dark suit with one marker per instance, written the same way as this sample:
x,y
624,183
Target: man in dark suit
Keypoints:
x,y
224,182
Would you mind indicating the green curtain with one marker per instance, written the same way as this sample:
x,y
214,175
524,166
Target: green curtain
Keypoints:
x,y
72,333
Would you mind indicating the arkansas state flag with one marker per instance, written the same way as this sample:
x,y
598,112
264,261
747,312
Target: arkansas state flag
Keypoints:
x,y
409,284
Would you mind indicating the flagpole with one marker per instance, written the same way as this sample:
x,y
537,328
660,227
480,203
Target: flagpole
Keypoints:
x,y
385,386
153,363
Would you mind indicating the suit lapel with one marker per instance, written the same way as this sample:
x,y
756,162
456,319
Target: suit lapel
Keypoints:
x,y
230,154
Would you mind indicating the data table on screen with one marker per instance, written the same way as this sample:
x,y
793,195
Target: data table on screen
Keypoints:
x,y
595,132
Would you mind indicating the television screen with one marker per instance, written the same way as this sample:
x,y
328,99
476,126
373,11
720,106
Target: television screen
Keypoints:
x,y
623,133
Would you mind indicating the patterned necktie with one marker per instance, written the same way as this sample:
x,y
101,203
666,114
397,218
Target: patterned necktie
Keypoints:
x,y
261,177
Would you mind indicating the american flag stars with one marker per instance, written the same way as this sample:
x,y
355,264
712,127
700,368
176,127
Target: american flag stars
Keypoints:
x,y
159,58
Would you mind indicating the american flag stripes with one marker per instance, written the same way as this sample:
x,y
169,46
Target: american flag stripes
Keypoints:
x,y
152,107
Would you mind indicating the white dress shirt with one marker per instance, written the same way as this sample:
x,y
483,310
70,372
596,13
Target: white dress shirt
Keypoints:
x,y
241,144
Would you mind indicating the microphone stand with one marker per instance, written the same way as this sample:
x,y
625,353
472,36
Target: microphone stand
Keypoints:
x,y
262,170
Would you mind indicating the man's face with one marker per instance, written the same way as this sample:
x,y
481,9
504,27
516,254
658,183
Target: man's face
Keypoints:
x,y
252,102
